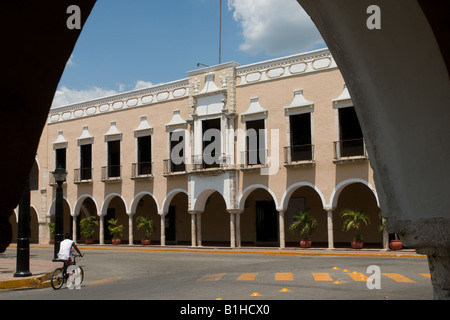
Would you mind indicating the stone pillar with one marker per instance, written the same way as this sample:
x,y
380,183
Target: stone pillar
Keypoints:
x,y
74,228
130,230
193,229
163,230
232,229
330,229
238,229
101,230
281,227
199,229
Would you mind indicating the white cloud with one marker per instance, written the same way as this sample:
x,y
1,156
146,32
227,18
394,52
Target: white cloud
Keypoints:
x,y
65,96
275,26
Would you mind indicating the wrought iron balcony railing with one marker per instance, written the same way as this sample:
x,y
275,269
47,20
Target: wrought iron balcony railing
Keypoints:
x,y
142,170
112,173
298,155
350,150
82,175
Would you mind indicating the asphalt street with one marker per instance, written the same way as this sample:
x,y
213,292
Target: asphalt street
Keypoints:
x,y
203,276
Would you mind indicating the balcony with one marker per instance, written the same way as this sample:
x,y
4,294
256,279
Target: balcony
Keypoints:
x,y
299,156
210,163
350,151
173,167
142,171
82,176
253,159
112,173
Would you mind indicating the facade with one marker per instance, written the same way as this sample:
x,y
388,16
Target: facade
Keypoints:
x,y
224,157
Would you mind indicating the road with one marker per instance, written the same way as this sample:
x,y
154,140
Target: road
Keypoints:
x,y
151,275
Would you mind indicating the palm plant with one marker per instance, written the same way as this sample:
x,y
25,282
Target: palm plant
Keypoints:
x,y
303,223
353,220
145,224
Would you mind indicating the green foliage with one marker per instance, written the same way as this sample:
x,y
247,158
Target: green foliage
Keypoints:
x,y
87,226
353,220
115,229
146,224
51,226
304,224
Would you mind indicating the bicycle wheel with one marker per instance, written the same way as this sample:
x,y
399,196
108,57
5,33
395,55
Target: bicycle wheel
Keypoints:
x,y
57,279
82,274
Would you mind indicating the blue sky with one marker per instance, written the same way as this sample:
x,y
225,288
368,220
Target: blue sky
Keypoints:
x,y
127,45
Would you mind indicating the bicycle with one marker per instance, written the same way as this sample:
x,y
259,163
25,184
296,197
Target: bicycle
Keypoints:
x,y
73,273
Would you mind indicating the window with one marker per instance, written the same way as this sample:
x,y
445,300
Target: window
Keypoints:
x,y
301,148
144,155
86,162
60,158
177,152
113,168
351,140
211,150
255,152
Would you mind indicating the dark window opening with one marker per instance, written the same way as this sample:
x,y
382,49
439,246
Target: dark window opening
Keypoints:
x,y
177,144
86,162
300,127
351,138
144,165
255,142
114,159
212,140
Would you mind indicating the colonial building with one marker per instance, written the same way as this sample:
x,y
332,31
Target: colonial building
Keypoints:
x,y
223,157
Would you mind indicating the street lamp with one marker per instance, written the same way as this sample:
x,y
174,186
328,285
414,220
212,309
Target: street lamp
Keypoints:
x,y
60,176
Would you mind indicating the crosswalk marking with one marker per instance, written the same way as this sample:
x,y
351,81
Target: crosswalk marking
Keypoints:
x,y
284,276
318,276
324,276
247,277
398,277
212,277
357,276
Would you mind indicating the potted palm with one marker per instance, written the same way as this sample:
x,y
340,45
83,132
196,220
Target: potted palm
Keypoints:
x,y
146,225
116,230
353,220
394,244
305,225
87,228
51,227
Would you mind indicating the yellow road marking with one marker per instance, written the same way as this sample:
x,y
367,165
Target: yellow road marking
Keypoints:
x,y
105,280
321,276
357,276
398,277
212,277
426,275
284,276
247,276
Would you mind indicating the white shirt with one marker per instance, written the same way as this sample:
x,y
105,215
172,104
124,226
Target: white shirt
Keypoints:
x,y
65,249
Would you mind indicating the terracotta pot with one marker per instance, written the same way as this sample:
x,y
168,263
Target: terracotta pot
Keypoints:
x,y
305,243
357,244
89,241
116,241
395,244
145,242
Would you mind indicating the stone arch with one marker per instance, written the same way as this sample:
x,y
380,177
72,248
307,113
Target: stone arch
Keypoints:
x,y
138,197
291,189
169,197
107,201
243,196
338,189
79,203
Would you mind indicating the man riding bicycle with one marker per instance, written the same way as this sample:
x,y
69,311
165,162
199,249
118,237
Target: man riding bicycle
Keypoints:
x,y
65,250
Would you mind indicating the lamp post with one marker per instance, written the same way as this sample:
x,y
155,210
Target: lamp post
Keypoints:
x,y
23,235
60,176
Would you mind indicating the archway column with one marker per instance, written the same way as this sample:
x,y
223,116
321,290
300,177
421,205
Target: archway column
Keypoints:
x,y
281,229
101,229
74,229
330,228
193,228
235,228
163,230
199,228
130,229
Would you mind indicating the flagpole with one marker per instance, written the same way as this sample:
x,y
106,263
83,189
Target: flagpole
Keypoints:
x,y
220,34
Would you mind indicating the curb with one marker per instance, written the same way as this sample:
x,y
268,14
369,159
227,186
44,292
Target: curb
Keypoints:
x,y
42,281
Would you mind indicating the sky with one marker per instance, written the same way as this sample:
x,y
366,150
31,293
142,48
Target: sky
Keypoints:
x,y
127,45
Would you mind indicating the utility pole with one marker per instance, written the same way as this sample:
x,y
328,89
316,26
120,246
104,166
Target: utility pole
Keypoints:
x,y
220,34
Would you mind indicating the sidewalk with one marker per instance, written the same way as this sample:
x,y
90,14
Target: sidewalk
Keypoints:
x,y
41,269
